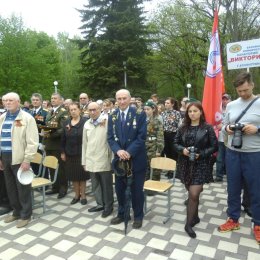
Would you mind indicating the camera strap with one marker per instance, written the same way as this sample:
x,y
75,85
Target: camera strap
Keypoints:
x,y
244,111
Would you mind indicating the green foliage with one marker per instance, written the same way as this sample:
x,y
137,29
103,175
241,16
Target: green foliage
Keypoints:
x,y
70,75
114,32
180,54
28,60
182,42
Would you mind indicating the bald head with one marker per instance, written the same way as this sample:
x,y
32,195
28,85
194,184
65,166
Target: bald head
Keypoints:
x,y
123,91
123,99
83,99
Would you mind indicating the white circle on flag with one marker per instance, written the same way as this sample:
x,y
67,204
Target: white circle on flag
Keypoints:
x,y
214,58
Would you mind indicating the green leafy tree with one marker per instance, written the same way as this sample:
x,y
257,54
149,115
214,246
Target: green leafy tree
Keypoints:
x,y
180,50
29,61
239,20
114,32
182,42
70,76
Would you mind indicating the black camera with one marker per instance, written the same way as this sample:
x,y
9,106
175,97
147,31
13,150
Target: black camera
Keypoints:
x,y
237,140
192,150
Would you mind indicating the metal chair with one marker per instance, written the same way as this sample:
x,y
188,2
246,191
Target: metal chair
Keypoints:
x,y
38,158
49,162
159,187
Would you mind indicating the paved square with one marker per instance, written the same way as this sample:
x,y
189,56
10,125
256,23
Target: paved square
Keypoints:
x,y
69,232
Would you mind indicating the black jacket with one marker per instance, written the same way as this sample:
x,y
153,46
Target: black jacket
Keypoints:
x,y
71,139
206,141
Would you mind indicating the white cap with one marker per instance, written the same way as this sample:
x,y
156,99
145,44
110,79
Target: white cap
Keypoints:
x,y
25,177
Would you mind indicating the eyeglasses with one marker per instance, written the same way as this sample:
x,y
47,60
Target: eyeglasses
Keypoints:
x,y
92,110
83,98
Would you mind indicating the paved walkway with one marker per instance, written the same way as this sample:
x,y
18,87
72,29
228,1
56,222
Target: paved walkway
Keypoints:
x,y
70,232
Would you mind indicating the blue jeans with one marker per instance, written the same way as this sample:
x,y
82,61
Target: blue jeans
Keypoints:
x,y
241,165
220,163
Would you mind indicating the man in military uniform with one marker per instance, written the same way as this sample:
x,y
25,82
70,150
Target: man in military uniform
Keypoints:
x,y
39,115
52,139
84,101
38,112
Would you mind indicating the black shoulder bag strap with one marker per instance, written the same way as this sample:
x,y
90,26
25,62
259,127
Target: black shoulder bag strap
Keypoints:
x,y
244,111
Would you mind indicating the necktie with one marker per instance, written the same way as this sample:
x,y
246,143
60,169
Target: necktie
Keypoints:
x,y
34,112
122,119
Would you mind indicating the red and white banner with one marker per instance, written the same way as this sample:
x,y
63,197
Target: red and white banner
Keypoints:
x,y
214,80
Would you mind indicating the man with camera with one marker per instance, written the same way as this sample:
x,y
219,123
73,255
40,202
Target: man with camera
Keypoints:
x,y
242,125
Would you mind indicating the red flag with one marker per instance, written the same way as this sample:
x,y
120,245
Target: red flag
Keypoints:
x,y
214,80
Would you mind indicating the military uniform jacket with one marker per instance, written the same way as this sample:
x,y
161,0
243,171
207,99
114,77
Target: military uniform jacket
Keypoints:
x,y
57,119
40,116
155,140
84,111
130,138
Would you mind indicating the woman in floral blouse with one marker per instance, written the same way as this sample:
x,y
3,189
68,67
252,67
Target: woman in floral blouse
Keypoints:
x,y
171,121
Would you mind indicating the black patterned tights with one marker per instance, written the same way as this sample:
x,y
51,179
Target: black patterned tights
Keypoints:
x,y
193,202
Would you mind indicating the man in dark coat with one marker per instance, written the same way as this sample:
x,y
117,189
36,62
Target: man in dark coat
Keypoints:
x,y
126,136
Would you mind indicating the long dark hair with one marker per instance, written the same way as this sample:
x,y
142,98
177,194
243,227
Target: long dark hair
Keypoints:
x,y
187,121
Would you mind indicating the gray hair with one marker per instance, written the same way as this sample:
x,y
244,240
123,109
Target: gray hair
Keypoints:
x,y
38,95
13,95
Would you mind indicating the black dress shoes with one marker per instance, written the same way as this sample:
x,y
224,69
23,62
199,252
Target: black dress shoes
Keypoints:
x,y
190,231
51,192
74,201
106,213
116,221
96,209
137,224
61,195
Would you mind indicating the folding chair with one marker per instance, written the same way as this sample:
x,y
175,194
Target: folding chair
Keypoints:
x,y
49,162
159,187
38,158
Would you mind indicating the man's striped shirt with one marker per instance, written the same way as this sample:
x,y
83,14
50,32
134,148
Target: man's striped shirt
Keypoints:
x,y
6,137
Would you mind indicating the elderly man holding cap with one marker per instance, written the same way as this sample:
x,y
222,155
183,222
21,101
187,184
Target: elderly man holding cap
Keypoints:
x,y
18,144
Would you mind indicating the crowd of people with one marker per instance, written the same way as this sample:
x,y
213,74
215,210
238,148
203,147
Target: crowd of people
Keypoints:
x,y
93,139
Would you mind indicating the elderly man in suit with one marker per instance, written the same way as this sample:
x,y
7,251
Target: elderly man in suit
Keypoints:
x,y
126,137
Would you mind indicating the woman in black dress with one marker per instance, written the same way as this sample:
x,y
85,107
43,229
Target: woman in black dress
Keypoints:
x,y
195,143
71,146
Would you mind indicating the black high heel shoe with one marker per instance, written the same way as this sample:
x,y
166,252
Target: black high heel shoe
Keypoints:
x,y
190,231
